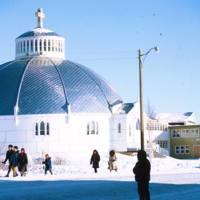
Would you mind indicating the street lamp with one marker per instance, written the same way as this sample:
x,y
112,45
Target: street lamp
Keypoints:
x,y
141,92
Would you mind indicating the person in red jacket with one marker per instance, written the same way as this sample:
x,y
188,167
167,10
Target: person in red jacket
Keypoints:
x,y
142,175
22,162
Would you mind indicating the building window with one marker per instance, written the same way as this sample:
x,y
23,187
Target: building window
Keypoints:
x,y
48,131
31,45
129,130
176,133
36,46
36,129
40,45
119,128
27,46
163,143
182,149
52,45
42,128
49,45
138,124
92,128
45,45
24,46
177,150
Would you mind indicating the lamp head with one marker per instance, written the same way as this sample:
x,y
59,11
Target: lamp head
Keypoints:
x,y
156,49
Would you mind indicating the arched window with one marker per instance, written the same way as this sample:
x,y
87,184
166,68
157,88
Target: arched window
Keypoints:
x,y
40,45
59,45
21,47
27,46
52,45
36,46
92,127
24,46
42,128
130,130
138,124
88,129
31,45
56,45
45,45
48,131
49,45
36,129
97,128
119,128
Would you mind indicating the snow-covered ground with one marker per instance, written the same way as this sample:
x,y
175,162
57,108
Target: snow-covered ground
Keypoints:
x,y
170,179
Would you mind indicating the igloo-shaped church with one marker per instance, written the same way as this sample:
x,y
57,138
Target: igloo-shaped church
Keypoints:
x,y
50,104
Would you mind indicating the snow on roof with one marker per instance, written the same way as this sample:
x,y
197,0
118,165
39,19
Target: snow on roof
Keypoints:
x,y
173,117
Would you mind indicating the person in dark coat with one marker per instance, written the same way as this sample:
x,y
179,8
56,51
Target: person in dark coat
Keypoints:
x,y
14,160
142,175
48,165
8,157
22,162
95,160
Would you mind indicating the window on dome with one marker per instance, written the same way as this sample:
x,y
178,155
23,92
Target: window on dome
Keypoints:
x,y
21,47
56,45
45,45
31,45
36,129
119,128
49,45
42,128
36,46
59,45
52,45
40,45
27,45
24,46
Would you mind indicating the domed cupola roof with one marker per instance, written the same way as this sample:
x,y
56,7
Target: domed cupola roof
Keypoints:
x,y
40,41
43,82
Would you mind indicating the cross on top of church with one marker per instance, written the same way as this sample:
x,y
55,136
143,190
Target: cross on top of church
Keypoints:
x,y
40,15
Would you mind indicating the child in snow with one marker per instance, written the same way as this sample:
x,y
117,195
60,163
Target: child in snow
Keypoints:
x,y
142,175
48,166
112,161
95,160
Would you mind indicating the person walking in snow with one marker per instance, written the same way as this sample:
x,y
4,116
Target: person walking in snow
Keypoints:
x,y
14,161
142,175
22,162
48,165
112,161
95,160
8,157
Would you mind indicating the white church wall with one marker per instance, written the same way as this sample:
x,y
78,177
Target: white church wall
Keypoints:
x,y
118,133
65,136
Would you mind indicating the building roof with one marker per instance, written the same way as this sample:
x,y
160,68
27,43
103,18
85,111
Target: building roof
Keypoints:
x,y
38,32
41,85
173,117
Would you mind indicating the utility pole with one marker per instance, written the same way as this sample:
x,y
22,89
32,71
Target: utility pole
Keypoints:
x,y
141,100
141,91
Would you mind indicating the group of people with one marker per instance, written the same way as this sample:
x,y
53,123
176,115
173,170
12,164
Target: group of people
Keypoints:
x,y
141,170
16,159
19,160
111,163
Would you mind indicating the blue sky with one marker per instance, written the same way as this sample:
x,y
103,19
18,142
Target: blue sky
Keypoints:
x,y
105,35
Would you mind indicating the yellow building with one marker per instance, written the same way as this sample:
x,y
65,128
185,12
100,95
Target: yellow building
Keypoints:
x,y
185,141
